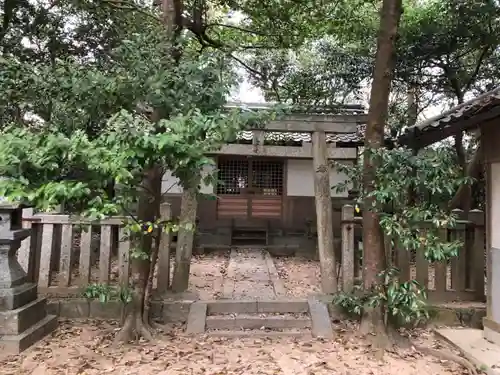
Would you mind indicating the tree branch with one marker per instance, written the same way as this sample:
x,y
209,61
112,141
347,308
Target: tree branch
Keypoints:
x,y
246,66
473,170
129,5
479,63
9,9
242,29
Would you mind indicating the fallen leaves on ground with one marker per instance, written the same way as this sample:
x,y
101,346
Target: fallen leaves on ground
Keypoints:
x,y
300,276
207,274
84,347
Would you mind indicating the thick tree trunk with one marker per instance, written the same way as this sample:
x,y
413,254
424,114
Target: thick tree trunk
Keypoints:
x,y
412,120
463,197
173,20
148,208
373,238
185,239
466,200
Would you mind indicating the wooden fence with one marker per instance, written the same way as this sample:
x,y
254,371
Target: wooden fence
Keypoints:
x,y
64,254
460,279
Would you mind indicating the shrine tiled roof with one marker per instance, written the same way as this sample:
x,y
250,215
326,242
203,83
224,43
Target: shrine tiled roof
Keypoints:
x,y
463,117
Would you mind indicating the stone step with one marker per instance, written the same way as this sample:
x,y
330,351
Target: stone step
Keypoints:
x,y
16,321
256,322
254,307
259,334
14,344
261,318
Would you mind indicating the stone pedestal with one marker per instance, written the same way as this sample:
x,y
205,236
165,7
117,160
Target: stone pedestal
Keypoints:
x,y
23,316
492,320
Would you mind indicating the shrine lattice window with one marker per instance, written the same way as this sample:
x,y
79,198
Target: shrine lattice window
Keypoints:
x,y
232,176
267,177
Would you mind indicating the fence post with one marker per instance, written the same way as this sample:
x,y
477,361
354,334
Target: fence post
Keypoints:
x,y
163,280
478,261
347,248
458,263
422,264
440,270
26,253
124,257
105,252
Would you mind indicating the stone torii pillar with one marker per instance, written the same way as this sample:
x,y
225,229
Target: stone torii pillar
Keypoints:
x,y
23,316
324,213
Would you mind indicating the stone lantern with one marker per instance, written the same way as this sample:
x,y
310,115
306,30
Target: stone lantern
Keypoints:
x,y
23,316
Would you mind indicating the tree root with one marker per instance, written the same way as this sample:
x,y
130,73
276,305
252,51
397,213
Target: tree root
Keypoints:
x,y
447,356
159,326
134,327
392,339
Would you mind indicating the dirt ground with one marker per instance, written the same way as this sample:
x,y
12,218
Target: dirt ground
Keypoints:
x,y
85,348
207,274
300,276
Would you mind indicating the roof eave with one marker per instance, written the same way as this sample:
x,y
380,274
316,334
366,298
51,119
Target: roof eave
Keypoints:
x,y
418,138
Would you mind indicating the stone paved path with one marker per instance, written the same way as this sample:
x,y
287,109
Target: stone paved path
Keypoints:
x,y
251,274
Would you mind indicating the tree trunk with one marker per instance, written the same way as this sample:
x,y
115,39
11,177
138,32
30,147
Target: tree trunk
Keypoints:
x,y
463,197
185,238
464,192
412,120
136,321
373,238
147,210
466,200
173,20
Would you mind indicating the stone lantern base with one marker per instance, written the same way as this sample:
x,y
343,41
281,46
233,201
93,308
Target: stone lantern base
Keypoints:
x,y
23,318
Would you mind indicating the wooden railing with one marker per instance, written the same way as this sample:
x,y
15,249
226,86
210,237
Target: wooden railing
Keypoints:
x,y
64,254
462,278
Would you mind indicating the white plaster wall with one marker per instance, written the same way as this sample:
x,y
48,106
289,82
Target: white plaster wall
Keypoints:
x,y
494,218
495,204
300,178
171,183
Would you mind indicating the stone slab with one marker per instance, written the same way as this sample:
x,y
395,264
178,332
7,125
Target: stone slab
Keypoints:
x,y
175,311
106,310
491,335
321,324
15,344
256,322
248,276
77,308
491,331
258,334
231,306
52,307
196,318
495,284
16,321
13,298
283,306
167,312
456,315
470,342
250,289
279,287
